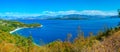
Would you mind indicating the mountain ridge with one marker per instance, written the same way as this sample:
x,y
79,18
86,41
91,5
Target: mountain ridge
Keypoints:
x,y
59,17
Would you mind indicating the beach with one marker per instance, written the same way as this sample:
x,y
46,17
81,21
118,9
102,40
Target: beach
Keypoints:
x,y
15,30
20,29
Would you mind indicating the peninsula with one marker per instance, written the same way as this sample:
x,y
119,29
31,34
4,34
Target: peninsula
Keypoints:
x,y
11,26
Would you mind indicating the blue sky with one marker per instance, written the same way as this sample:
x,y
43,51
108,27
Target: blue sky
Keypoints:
x,y
36,7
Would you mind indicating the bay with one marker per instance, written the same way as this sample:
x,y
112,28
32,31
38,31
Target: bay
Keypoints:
x,y
58,29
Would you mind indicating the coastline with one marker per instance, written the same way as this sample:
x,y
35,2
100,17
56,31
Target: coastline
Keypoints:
x,y
41,26
17,29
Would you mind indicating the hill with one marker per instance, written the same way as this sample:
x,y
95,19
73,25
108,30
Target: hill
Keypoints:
x,y
59,17
108,41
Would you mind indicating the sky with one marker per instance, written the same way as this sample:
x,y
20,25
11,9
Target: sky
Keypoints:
x,y
56,7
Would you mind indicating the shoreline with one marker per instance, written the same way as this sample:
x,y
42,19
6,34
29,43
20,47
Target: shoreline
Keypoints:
x,y
17,29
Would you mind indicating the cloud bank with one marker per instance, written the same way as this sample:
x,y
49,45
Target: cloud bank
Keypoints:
x,y
84,12
52,13
17,14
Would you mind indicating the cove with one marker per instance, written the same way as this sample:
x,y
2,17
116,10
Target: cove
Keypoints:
x,y
58,29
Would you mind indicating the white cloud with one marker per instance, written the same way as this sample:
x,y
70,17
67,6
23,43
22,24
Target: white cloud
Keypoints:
x,y
97,12
53,13
17,14
60,12
84,12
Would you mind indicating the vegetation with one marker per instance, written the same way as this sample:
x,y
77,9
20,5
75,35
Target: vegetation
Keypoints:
x,y
10,42
7,26
108,41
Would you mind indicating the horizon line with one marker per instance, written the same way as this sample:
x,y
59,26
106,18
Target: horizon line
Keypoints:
x,y
55,13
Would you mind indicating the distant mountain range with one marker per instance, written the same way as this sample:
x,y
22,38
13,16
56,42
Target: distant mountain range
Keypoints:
x,y
59,17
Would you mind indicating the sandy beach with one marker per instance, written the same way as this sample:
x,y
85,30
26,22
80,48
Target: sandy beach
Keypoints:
x,y
15,30
20,29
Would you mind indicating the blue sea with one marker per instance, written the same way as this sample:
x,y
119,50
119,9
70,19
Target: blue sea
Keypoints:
x,y
58,29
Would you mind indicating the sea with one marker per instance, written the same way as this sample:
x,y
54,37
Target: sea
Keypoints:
x,y
53,30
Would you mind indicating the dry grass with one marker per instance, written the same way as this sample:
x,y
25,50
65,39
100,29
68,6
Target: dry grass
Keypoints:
x,y
80,44
104,42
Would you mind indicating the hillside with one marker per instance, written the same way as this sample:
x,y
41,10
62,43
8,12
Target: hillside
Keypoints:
x,y
9,42
108,41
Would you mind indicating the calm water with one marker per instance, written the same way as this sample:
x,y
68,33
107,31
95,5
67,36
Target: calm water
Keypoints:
x,y
58,29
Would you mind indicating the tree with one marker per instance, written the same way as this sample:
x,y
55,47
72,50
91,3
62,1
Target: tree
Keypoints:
x,y
30,44
68,37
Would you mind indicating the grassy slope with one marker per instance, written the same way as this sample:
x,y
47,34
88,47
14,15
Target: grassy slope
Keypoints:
x,y
108,41
9,42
